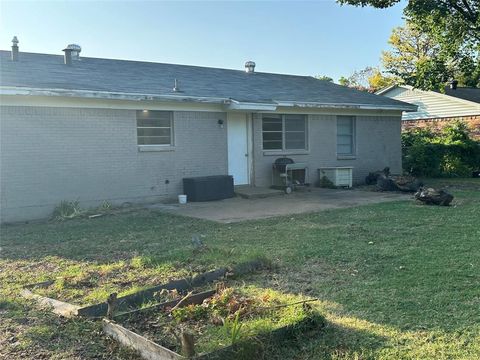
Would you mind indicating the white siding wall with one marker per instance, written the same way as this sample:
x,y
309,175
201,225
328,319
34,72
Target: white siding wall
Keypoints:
x,y
431,105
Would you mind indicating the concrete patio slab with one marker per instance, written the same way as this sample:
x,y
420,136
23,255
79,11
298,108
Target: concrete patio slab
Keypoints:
x,y
239,209
252,192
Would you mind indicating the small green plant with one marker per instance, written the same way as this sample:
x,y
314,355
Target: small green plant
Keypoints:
x,y
233,327
190,312
326,183
105,206
67,210
452,165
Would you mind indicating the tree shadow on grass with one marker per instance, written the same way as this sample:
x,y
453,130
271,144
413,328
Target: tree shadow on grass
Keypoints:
x,y
333,341
34,334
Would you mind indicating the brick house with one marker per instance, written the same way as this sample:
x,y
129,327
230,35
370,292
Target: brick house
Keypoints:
x,y
93,129
436,109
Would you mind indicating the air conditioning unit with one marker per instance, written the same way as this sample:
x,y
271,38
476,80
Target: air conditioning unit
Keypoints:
x,y
341,176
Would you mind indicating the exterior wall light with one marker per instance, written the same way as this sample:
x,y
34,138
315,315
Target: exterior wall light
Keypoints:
x,y
220,123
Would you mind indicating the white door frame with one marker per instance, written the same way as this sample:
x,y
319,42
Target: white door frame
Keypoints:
x,y
251,169
238,116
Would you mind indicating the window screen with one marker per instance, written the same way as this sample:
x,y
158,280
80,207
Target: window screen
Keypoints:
x,y
284,132
345,135
154,127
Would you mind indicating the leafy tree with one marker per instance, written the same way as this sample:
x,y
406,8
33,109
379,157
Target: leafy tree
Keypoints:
x,y
324,77
450,29
451,20
344,81
359,79
418,60
410,47
368,79
469,72
379,81
461,17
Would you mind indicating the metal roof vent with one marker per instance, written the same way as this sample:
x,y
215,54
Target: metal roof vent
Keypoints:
x,y
249,67
72,53
75,51
14,49
176,88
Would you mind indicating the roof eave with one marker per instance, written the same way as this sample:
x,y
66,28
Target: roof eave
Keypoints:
x,y
232,104
229,103
434,93
407,108
8,90
386,89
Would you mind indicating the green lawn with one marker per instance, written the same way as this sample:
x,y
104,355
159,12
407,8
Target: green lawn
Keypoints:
x,y
396,280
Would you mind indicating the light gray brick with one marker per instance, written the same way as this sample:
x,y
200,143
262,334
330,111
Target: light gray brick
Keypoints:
x,y
54,154
378,145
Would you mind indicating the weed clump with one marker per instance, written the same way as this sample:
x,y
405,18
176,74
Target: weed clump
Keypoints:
x,y
67,210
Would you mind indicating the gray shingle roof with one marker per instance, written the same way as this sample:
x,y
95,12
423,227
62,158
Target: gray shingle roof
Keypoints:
x,y
465,93
44,71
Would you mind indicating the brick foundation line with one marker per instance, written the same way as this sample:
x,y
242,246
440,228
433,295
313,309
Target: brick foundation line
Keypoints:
x,y
472,121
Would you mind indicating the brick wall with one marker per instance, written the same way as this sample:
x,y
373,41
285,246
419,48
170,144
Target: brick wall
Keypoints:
x,y
473,123
378,145
54,154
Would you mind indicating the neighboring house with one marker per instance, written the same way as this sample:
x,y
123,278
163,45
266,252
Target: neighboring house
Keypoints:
x,y
90,129
437,109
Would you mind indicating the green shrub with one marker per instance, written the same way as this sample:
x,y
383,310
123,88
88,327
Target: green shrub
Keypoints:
x,y
448,153
326,183
67,210
105,206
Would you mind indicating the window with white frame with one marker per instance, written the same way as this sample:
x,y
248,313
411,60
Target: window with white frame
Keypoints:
x,y
284,132
345,135
154,127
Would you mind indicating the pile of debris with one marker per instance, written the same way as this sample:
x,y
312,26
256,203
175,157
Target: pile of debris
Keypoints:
x,y
431,196
384,181
387,182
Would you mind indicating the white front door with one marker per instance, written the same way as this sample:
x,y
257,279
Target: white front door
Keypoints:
x,y
237,148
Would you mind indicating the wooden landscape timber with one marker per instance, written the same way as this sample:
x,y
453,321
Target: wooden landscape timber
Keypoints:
x,y
124,303
146,348
151,350
58,307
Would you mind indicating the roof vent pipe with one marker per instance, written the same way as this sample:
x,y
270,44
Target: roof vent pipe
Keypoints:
x,y
67,56
453,85
72,53
175,86
14,49
249,67
76,49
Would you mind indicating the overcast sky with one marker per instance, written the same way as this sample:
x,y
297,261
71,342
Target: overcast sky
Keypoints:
x,y
307,38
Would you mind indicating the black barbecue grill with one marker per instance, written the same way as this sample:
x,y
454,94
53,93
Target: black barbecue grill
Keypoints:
x,y
288,175
281,163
